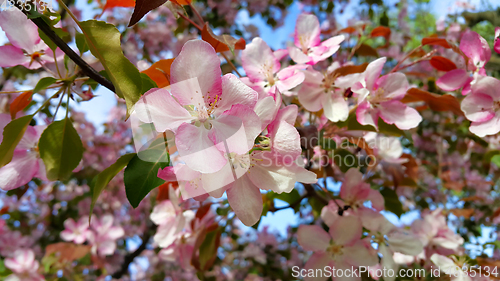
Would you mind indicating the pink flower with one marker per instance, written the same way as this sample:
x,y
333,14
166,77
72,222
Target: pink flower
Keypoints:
x,y
482,107
24,266
273,168
380,97
103,238
262,67
27,48
76,231
308,46
478,51
341,247
172,220
203,109
355,191
26,162
323,91
496,47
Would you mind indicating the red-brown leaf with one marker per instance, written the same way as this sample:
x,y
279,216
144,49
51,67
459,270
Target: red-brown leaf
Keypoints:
x,y
381,31
160,72
223,42
436,41
435,102
20,103
118,3
442,63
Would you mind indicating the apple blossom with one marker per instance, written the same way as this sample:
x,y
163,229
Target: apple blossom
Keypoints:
x,y
380,97
202,109
478,51
308,46
482,107
24,266
264,70
27,48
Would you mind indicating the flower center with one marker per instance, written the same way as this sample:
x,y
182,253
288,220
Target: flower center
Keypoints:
x,y
335,250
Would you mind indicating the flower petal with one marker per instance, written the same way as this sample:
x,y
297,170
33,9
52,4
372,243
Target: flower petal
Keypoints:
x,y
313,238
336,108
478,107
489,127
373,71
307,31
399,114
346,230
12,56
476,48
246,201
259,61
160,108
197,59
234,92
20,31
453,80
197,150
395,85
19,171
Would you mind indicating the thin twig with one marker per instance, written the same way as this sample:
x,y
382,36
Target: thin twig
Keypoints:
x,y
196,13
86,68
231,64
189,20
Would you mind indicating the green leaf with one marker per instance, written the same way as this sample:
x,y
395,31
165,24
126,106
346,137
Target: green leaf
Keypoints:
x,y
147,83
344,159
208,249
391,201
12,135
47,40
44,83
60,149
496,160
103,178
81,43
141,176
103,40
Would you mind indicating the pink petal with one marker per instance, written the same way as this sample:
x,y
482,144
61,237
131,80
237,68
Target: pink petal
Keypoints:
x,y
197,150
377,200
297,55
360,254
488,86
236,129
318,261
478,107
197,59
235,92
346,230
307,31
336,108
313,238
394,85
399,114
266,109
326,49
20,31
287,114
496,47
4,120
453,80
12,56
270,172
404,242
246,201
373,71
167,174
310,93
258,60
366,115
489,127
30,138
160,108
286,141
280,54
476,48
19,171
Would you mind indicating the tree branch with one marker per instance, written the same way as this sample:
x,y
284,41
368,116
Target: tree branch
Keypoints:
x,y
129,258
86,68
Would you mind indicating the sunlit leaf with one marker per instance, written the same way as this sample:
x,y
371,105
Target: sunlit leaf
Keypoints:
x,y
61,149
12,135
